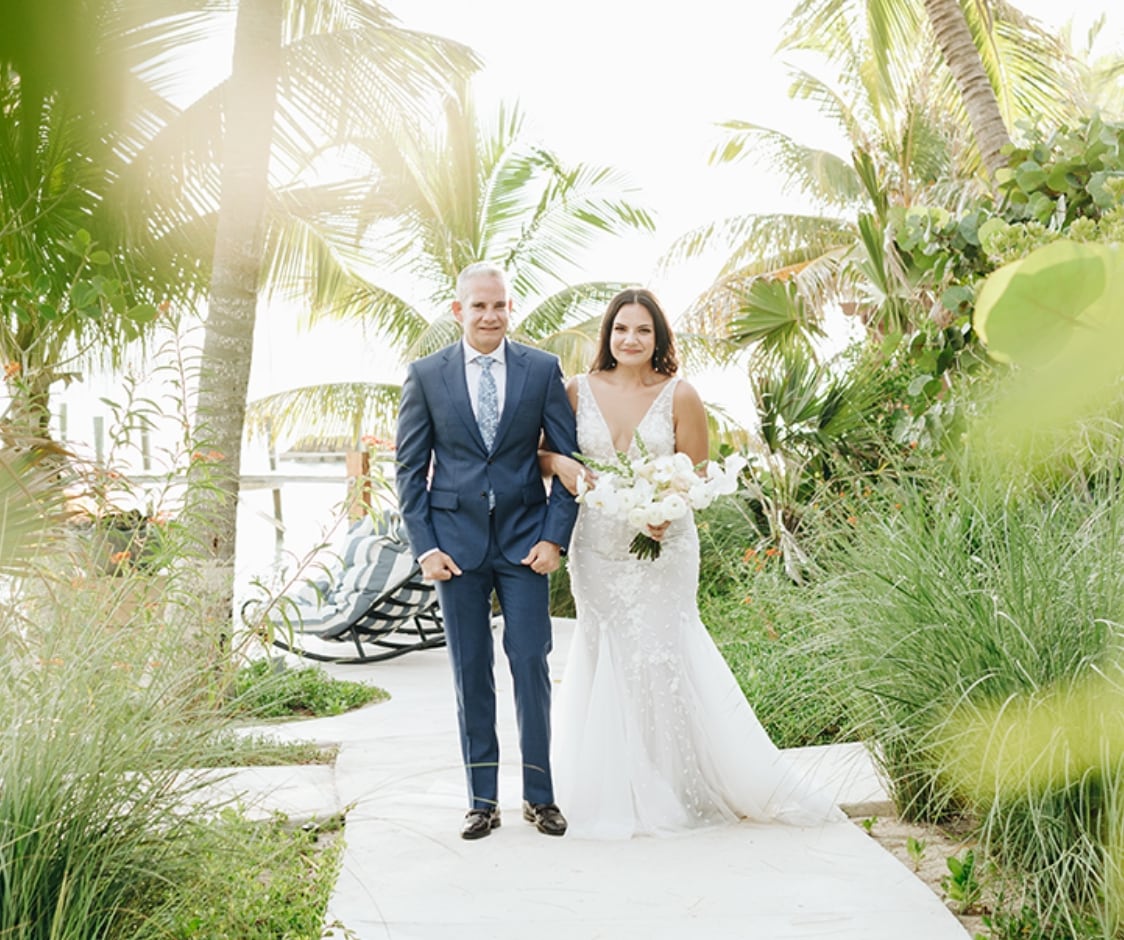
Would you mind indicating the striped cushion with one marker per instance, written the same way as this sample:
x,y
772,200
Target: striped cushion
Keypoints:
x,y
379,563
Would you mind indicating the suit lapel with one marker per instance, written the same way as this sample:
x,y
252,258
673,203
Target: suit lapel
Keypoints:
x,y
456,385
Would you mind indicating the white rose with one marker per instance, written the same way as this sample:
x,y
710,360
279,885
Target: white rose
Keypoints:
x,y
699,495
683,465
628,499
673,507
638,517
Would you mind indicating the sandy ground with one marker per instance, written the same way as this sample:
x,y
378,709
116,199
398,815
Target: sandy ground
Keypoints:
x,y
929,861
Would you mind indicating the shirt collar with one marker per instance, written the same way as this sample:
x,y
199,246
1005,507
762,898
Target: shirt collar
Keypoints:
x,y
499,354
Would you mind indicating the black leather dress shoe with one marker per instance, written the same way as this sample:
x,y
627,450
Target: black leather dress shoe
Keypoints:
x,y
479,823
546,817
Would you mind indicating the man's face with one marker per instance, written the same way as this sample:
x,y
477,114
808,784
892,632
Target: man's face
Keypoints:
x,y
484,312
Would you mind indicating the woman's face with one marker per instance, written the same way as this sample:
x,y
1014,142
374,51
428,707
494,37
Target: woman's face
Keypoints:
x,y
633,338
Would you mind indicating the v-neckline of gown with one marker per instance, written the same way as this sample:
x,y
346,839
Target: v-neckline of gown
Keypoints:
x,y
643,417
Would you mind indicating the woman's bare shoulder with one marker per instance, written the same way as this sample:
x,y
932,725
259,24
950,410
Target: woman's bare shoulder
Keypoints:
x,y
686,394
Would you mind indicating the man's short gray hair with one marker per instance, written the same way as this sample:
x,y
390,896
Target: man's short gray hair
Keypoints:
x,y
476,269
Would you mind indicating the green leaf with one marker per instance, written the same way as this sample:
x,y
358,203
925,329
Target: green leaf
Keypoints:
x,y
101,257
84,294
957,298
1029,176
142,313
917,385
1026,310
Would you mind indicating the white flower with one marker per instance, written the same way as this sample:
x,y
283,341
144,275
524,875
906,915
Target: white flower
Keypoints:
x,y
683,465
638,517
651,491
699,495
673,507
735,464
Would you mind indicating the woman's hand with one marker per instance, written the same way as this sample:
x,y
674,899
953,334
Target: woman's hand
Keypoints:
x,y
566,469
658,531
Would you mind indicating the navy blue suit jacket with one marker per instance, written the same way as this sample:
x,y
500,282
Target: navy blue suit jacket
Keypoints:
x,y
437,429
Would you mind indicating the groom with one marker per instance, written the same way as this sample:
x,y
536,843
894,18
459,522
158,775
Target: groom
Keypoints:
x,y
479,520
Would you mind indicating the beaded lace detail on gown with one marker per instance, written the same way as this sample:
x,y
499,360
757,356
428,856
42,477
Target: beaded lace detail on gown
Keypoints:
x,y
652,731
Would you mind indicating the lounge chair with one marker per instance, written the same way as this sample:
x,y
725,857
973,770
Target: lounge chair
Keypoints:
x,y
372,606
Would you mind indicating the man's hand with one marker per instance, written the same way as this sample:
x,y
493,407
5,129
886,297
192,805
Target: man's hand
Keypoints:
x,y
543,558
439,567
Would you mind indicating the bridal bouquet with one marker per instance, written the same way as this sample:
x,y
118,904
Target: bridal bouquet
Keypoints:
x,y
654,490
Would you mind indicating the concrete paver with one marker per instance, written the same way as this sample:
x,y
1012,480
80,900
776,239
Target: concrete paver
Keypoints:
x,y
407,875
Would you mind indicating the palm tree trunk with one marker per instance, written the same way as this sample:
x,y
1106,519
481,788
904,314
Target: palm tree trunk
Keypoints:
x,y
954,39
236,274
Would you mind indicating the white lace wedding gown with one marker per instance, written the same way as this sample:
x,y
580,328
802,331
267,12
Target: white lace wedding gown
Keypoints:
x,y
652,732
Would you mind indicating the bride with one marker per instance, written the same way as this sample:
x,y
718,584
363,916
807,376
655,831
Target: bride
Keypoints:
x,y
652,731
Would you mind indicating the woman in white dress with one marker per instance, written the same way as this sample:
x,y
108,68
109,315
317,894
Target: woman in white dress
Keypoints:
x,y
652,732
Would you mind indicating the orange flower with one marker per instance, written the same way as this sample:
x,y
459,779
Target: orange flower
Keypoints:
x,y
772,552
750,554
164,306
748,599
119,558
12,369
853,520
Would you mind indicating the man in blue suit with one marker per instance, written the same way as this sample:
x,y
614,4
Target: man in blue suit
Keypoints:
x,y
480,521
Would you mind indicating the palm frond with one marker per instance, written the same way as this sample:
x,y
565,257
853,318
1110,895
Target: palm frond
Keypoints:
x,y
31,504
437,333
575,346
821,175
349,409
577,302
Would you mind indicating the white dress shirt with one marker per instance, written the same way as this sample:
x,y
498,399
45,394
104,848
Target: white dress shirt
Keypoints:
x,y
472,371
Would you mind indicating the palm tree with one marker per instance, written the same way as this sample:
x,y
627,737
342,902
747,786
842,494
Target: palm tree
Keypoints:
x,y
326,58
345,69
958,48
81,276
442,199
463,192
783,270
999,64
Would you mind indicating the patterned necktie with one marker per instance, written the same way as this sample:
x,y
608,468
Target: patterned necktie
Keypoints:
x,y
487,402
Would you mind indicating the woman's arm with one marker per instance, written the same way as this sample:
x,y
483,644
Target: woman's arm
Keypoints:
x,y
564,467
689,416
